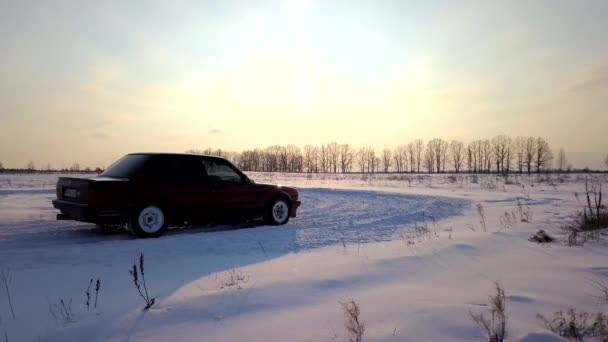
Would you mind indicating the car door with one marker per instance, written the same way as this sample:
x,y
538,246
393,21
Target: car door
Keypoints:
x,y
233,196
178,184
191,189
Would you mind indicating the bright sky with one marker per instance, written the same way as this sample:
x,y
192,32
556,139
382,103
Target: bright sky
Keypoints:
x,y
89,81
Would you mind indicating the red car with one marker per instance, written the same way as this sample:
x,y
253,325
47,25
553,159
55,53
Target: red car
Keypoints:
x,y
150,191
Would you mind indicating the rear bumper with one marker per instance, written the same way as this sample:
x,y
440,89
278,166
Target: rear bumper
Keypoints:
x,y
294,208
86,213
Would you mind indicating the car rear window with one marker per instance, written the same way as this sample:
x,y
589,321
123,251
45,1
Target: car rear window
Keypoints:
x,y
126,167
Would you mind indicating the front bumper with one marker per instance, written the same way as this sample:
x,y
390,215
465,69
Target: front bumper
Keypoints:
x,y
294,208
86,213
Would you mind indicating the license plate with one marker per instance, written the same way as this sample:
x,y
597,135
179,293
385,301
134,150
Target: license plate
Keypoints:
x,y
72,193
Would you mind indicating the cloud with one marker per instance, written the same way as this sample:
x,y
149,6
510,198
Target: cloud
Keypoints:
x,y
590,79
97,124
215,131
99,136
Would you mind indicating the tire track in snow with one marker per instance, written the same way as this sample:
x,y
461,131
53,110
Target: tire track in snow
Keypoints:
x,y
329,216
326,217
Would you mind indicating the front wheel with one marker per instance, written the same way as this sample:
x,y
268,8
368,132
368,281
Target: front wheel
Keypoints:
x,y
148,222
278,212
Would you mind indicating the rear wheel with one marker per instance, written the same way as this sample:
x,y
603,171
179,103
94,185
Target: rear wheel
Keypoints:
x,y
278,212
147,222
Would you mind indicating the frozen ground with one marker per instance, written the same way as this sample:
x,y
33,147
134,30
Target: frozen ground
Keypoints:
x,y
356,236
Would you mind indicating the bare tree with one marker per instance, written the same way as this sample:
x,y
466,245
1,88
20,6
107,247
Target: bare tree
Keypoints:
x,y
481,155
310,158
439,149
294,158
561,160
501,146
283,158
31,166
232,156
324,158
530,153
411,151
400,157
347,154
508,157
606,160
362,159
519,152
437,146
271,158
2,166
418,150
429,156
442,154
387,159
368,161
544,156
457,152
473,156
257,158
486,151
250,160
243,163
333,151
75,167
373,162
469,158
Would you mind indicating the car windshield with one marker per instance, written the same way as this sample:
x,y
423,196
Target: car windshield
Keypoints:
x,y
126,166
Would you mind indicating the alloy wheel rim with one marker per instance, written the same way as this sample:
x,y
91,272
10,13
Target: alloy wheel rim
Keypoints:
x,y
151,220
280,211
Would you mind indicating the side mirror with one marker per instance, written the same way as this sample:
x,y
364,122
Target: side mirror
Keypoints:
x,y
249,180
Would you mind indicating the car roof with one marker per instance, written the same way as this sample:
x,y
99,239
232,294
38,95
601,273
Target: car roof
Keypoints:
x,y
177,155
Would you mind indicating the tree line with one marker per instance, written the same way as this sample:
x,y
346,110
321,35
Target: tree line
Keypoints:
x,y
31,167
501,154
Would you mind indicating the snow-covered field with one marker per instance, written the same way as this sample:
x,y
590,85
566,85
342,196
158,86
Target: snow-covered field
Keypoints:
x,y
410,249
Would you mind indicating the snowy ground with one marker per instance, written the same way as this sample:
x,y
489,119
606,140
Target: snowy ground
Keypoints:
x,y
356,236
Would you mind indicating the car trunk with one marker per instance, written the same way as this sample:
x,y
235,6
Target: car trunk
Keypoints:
x,y
73,189
79,190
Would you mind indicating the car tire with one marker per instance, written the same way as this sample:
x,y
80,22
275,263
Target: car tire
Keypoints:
x,y
147,222
278,211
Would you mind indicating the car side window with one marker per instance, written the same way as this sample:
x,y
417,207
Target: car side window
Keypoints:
x,y
174,170
190,170
219,171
